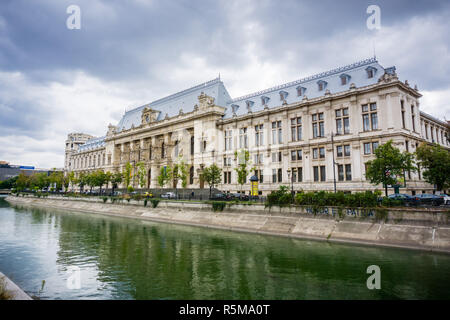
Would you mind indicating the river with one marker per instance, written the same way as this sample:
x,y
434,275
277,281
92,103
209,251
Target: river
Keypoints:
x,y
121,258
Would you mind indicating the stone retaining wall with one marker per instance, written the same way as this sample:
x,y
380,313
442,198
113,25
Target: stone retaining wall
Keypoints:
x,y
409,228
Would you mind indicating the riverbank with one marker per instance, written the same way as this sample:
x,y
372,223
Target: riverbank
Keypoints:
x,y
422,229
12,290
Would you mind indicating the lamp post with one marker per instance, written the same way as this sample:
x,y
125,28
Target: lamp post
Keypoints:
x,y
334,163
292,181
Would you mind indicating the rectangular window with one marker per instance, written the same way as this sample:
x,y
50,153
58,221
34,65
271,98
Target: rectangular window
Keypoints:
x,y
300,174
274,175
342,121
413,118
340,172
228,139
322,173
318,125
348,172
259,135
299,155
293,155
347,150
280,175
339,151
370,117
243,140
296,129
276,156
315,153
276,132
367,148
322,153
374,146
316,173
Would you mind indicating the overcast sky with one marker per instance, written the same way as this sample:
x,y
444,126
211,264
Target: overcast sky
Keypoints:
x,y
54,80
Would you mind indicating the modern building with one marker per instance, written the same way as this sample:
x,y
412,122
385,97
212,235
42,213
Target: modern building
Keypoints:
x,y
287,130
8,171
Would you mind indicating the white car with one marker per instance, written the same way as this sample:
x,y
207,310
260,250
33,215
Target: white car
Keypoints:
x,y
446,198
169,195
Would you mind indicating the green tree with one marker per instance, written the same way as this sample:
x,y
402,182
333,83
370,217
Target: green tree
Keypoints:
x,y
212,175
22,182
165,175
71,178
435,161
242,169
140,174
183,173
389,164
127,174
82,181
116,178
99,178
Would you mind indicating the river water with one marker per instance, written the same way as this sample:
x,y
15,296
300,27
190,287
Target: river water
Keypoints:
x,y
121,258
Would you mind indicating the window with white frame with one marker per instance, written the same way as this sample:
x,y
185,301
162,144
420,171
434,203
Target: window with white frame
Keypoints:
x,y
243,139
277,136
296,129
342,121
369,116
228,139
259,135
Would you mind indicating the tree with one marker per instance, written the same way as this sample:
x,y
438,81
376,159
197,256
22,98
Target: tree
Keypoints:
x,y
165,175
183,173
71,178
435,161
127,174
22,182
8,183
82,181
140,174
242,170
116,178
389,164
212,175
99,179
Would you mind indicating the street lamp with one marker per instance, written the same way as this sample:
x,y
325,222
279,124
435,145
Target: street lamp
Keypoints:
x,y
292,181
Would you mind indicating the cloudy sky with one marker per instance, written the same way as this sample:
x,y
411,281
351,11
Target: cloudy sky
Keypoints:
x,y
54,80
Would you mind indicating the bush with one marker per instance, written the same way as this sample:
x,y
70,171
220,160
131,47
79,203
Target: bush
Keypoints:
x,y
280,197
130,189
105,199
145,202
137,197
154,202
351,200
218,205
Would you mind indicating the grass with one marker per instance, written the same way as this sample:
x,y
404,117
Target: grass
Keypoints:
x,y
4,294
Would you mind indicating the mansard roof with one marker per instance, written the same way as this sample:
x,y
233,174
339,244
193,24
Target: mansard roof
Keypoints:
x,y
172,104
93,143
356,71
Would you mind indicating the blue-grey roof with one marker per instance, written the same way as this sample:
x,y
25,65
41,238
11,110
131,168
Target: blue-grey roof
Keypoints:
x,y
172,104
355,73
92,144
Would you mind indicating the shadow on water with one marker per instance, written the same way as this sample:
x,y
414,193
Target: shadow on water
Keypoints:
x,y
127,259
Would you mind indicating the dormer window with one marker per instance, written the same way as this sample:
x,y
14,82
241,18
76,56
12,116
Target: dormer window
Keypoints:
x,y
345,78
300,90
264,100
321,85
249,104
234,108
283,95
371,71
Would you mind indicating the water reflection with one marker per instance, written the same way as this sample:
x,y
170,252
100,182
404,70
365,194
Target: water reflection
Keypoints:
x,y
127,259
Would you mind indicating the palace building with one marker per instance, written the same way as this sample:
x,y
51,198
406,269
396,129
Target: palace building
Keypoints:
x,y
291,132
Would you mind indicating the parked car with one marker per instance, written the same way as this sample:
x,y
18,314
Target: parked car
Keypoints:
x,y
430,199
446,198
169,195
407,199
117,193
219,196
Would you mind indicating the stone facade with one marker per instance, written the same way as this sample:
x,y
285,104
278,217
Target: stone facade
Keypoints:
x,y
290,141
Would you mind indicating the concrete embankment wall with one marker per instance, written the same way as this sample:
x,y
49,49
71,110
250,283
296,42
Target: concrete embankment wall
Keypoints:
x,y
15,292
422,228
